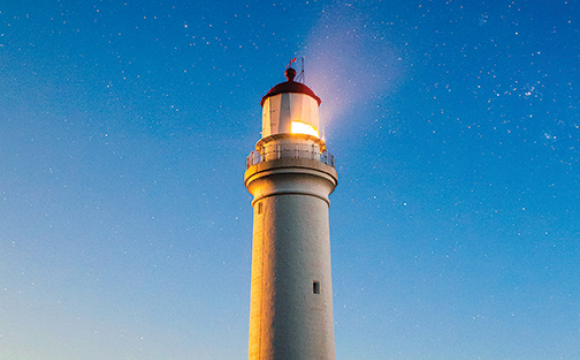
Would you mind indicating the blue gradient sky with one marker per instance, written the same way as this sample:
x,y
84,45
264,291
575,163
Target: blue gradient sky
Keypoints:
x,y
125,227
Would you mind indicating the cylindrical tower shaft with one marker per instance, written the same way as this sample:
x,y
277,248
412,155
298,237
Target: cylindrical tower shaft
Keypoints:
x,y
291,314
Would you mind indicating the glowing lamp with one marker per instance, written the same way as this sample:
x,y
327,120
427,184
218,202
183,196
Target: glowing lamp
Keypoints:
x,y
298,127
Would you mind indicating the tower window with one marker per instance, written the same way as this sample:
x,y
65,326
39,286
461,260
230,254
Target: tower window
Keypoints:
x,y
260,210
316,287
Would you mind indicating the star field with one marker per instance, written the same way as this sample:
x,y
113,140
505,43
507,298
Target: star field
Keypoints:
x,y
125,226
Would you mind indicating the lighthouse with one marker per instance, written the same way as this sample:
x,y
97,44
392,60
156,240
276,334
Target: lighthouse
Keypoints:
x,y
290,175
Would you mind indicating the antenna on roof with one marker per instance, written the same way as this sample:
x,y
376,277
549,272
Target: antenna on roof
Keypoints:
x,y
301,76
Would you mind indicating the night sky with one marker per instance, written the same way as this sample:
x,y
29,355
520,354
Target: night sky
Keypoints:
x,y
126,229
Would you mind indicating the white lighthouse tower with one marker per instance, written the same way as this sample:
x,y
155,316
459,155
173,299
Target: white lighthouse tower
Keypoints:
x,y
290,175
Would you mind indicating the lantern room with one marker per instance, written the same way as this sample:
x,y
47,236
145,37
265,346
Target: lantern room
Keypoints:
x,y
291,127
290,108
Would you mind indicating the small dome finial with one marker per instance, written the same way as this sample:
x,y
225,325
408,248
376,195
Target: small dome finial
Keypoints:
x,y
290,74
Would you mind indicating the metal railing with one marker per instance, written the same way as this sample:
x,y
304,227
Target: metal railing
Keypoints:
x,y
256,157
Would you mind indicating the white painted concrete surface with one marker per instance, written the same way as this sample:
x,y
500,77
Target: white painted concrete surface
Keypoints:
x,y
291,251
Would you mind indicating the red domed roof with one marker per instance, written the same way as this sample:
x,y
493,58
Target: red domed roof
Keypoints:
x,y
290,86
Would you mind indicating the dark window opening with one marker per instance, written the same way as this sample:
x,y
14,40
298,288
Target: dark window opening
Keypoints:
x,y
260,208
316,287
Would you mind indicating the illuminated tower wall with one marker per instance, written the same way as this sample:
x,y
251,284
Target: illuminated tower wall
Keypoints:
x,y
290,175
